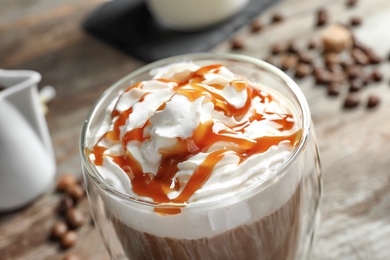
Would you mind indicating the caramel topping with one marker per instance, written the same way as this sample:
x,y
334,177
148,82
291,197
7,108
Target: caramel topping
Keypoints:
x,y
158,186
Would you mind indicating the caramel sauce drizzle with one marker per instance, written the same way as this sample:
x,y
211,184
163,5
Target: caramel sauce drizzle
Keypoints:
x,y
205,135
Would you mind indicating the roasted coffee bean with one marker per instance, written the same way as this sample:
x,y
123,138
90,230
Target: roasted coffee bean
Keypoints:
x,y
334,68
337,77
278,48
334,89
68,239
2,87
353,71
322,17
373,101
359,57
331,58
322,76
351,3
59,229
305,57
75,218
277,18
256,26
237,44
76,192
293,47
373,57
302,70
65,204
351,101
70,257
65,181
376,76
355,21
356,85
311,45
288,62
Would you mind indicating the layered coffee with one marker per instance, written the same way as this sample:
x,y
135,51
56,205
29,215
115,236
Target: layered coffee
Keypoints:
x,y
197,149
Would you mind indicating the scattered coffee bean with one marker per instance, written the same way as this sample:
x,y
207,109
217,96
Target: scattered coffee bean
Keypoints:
x,y
237,44
351,101
334,89
256,26
70,257
331,58
373,101
336,77
65,181
68,239
359,57
305,57
353,71
322,76
351,3
2,87
376,76
278,48
293,47
59,229
311,45
356,85
277,18
336,38
302,70
75,218
65,204
373,57
76,192
355,21
288,62
322,17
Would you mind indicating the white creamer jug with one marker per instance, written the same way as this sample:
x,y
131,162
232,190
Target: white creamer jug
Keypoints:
x,y
27,163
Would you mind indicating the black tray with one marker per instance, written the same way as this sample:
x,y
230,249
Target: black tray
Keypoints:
x,y
128,26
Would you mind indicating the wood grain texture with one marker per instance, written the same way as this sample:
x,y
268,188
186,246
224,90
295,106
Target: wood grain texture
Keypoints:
x,y
45,36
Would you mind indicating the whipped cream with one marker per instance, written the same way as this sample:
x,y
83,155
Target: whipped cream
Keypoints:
x,y
193,134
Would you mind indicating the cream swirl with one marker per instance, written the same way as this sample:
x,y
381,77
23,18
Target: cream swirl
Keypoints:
x,y
194,134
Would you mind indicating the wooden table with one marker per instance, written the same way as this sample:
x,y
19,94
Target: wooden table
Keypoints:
x,y
45,36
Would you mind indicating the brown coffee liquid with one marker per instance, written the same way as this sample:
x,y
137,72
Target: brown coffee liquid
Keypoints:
x,y
274,237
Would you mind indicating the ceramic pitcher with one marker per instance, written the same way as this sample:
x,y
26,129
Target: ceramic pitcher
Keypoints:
x,y
27,164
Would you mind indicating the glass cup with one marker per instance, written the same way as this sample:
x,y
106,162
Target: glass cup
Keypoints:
x,y
276,219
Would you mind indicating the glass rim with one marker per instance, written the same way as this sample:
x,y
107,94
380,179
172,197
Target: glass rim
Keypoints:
x,y
98,179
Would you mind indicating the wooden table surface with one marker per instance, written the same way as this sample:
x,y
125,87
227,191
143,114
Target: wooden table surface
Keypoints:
x,y
46,36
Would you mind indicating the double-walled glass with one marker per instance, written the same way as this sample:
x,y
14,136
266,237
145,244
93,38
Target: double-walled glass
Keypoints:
x,y
274,220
